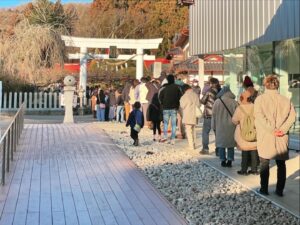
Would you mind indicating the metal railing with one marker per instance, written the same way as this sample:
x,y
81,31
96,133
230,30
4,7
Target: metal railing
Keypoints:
x,y
10,140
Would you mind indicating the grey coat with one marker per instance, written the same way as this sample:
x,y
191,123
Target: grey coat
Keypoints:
x,y
222,121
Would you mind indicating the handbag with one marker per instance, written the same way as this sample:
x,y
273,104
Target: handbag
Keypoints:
x,y
137,127
199,113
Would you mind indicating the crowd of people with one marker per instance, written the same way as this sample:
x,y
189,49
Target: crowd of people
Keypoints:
x,y
256,124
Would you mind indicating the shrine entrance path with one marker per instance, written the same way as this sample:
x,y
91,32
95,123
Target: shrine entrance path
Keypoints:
x,y
74,174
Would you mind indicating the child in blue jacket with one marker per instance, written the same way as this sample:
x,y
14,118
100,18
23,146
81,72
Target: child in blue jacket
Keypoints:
x,y
136,117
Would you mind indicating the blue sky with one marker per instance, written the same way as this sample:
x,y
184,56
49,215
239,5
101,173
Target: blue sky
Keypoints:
x,y
12,3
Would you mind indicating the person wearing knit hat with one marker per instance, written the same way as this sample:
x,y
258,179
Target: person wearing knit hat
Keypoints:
x,y
247,82
249,86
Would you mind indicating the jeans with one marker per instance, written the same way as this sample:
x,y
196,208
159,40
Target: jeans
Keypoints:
x,y
230,154
205,133
265,173
112,110
120,113
167,114
101,114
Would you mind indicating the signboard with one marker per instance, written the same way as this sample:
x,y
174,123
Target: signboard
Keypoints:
x,y
186,2
112,52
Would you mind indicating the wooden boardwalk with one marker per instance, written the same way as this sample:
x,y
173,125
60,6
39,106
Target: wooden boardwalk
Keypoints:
x,y
74,174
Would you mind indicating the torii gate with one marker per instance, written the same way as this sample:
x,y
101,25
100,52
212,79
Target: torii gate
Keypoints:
x,y
85,43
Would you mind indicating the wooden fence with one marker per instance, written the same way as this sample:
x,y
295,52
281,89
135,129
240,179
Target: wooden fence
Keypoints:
x,y
36,101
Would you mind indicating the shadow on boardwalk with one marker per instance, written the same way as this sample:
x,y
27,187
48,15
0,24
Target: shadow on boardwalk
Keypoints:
x,y
74,174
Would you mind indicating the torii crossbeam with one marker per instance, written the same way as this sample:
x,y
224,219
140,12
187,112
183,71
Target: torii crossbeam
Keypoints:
x,y
85,43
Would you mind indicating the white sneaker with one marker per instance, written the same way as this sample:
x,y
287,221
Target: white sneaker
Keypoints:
x,y
172,142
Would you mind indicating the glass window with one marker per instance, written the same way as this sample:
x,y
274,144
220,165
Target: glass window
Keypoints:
x,y
287,66
234,66
259,63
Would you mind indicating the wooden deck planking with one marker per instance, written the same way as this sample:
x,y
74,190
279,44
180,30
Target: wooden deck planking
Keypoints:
x,y
74,174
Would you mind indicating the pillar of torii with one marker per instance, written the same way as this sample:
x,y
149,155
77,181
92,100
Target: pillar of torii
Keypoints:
x,y
84,43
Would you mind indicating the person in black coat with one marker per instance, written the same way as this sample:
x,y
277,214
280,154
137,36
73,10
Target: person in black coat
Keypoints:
x,y
154,115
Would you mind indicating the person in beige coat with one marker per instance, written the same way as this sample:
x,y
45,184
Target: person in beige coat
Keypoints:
x,y
188,103
274,115
249,149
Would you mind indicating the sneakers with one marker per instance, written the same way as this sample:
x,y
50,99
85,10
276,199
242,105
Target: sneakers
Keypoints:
x,y
279,193
229,163
260,191
163,140
172,142
223,163
204,152
253,172
226,164
244,173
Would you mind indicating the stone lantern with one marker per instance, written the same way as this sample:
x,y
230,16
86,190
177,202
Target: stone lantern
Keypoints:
x,y
69,89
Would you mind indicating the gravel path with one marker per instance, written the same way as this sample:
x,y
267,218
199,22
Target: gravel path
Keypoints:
x,y
200,193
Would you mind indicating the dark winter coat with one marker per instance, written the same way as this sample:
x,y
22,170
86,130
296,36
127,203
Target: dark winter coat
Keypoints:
x,y
169,97
136,116
154,113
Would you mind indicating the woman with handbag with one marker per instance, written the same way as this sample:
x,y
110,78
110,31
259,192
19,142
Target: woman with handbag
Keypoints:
x,y
101,106
136,122
223,126
274,115
154,115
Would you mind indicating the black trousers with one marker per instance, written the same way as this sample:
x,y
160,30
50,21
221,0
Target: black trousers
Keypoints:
x,y
134,134
249,158
156,126
265,173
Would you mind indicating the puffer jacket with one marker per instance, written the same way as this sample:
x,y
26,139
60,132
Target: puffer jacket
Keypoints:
x,y
208,101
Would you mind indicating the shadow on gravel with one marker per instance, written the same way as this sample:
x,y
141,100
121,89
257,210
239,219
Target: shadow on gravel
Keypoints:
x,y
205,196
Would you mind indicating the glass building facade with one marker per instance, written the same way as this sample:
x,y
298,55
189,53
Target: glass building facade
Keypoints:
x,y
257,38
281,58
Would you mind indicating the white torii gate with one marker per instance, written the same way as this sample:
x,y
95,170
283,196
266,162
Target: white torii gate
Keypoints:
x,y
85,43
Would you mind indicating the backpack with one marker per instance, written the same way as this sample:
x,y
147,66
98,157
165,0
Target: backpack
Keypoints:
x,y
248,131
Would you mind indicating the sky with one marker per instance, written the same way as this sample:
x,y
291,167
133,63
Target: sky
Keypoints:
x,y
13,3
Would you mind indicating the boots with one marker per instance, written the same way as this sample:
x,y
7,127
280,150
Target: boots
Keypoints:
x,y
136,142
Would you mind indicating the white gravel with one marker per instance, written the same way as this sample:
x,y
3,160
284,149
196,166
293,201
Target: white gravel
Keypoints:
x,y
201,194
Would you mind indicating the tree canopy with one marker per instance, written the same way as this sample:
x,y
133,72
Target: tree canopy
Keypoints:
x,y
133,19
